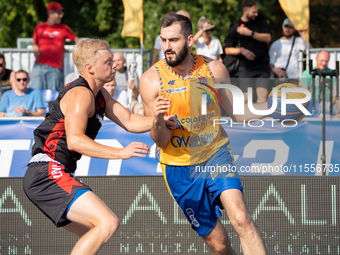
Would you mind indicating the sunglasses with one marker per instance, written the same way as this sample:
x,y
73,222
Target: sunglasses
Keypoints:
x,y
24,79
1,65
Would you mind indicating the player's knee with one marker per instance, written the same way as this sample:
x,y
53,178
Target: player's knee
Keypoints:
x,y
109,227
242,221
222,248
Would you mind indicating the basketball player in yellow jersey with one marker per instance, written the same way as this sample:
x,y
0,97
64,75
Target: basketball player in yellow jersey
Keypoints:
x,y
182,79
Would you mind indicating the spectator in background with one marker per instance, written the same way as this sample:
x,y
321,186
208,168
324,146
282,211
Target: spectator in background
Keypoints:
x,y
124,83
117,94
204,43
48,47
254,34
158,53
322,59
22,101
284,53
7,76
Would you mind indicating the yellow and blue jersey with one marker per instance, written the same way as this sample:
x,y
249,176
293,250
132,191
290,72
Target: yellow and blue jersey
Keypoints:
x,y
196,138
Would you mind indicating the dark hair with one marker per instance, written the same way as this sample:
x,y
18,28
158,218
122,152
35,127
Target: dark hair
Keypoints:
x,y
248,3
185,23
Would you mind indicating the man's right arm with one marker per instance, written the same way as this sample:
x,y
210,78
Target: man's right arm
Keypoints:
x,y
150,90
36,50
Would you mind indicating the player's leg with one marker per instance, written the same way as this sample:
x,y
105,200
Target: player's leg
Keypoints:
x,y
98,223
197,205
250,237
218,240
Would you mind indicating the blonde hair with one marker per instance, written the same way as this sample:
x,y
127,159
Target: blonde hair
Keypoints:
x,y
86,51
22,71
201,21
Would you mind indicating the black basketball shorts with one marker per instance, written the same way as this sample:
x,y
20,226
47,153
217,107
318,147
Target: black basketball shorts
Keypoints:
x,y
51,189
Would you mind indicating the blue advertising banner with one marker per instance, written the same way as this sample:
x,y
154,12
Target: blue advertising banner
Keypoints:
x,y
259,147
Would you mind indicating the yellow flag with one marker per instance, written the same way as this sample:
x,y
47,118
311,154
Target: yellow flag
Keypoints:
x,y
133,19
297,12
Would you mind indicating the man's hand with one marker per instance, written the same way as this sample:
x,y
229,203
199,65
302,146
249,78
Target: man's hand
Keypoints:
x,y
248,54
20,109
244,31
279,72
171,122
135,149
207,26
160,107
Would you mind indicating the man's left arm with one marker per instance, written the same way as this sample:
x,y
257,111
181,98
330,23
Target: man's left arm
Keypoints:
x,y
38,112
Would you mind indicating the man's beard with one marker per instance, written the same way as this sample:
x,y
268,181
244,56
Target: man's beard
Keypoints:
x,y
179,58
288,35
251,17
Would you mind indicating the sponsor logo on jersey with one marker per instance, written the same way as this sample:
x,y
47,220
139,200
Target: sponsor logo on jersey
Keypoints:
x,y
172,82
177,90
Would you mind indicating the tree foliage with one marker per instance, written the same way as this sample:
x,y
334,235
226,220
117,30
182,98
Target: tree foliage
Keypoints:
x,y
104,19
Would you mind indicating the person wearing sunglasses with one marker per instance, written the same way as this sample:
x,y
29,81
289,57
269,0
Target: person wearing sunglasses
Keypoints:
x,y
22,101
284,54
48,48
7,76
206,44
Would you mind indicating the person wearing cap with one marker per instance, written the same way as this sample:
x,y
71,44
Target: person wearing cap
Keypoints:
x,y
204,43
253,34
281,64
48,48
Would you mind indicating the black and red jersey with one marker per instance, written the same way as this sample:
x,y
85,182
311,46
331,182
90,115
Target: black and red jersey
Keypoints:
x,y
50,135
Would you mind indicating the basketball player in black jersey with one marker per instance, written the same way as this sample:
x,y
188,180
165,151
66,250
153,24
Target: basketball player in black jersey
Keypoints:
x,y
68,132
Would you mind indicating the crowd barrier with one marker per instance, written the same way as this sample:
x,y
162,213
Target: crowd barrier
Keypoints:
x,y
296,215
24,59
260,147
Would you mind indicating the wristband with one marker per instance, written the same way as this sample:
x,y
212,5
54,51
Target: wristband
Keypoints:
x,y
252,33
241,50
27,112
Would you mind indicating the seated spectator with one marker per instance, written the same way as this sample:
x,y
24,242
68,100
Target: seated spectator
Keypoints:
x,y
124,83
7,76
322,59
118,94
204,43
22,101
284,53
